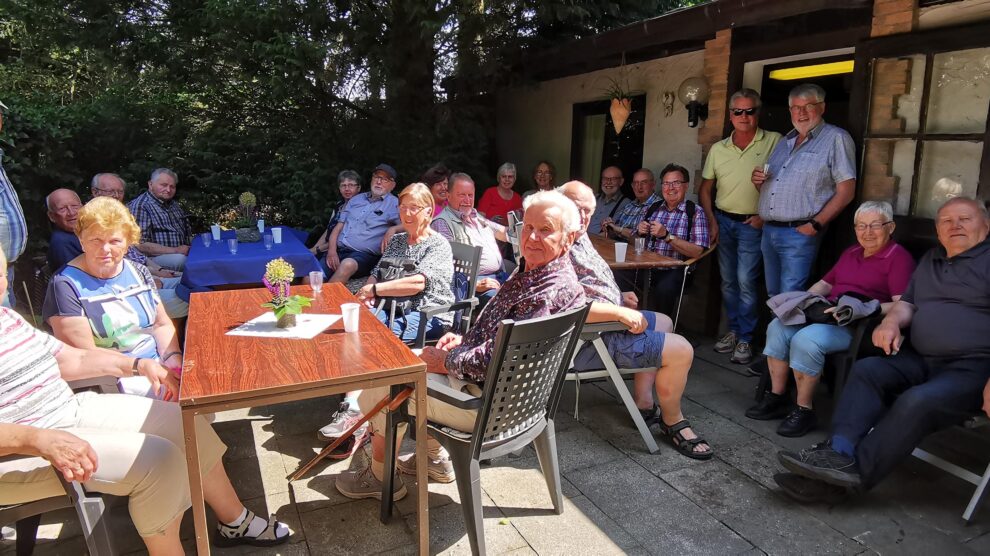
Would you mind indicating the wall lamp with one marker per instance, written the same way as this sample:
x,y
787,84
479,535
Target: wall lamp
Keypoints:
x,y
694,92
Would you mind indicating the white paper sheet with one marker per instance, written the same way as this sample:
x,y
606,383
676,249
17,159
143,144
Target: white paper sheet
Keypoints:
x,y
307,326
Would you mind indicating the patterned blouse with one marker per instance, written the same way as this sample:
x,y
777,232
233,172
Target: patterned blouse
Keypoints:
x,y
593,273
435,262
540,292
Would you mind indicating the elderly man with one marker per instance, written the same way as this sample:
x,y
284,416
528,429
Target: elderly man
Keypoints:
x,y
733,218
674,228
645,345
355,244
942,377
165,231
460,221
811,178
610,199
547,285
623,226
107,185
63,206
13,227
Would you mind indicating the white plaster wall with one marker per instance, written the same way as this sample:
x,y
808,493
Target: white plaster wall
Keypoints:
x,y
534,122
955,13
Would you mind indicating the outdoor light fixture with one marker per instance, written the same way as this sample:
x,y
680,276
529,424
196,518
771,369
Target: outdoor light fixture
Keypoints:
x,y
815,70
694,92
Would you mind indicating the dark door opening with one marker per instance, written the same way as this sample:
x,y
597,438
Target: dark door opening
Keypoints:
x,y
595,144
776,115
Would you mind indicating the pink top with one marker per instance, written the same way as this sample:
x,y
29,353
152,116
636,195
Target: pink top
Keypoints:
x,y
438,207
879,276
492,204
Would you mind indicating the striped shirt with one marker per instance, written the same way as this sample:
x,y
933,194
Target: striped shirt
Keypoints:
x,y
676,222
162,222
13,227
32,391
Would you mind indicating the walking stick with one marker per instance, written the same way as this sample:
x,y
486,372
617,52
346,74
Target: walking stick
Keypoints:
x,y
386,403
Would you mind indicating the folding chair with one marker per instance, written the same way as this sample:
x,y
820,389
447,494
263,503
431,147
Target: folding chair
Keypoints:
x,y
979,481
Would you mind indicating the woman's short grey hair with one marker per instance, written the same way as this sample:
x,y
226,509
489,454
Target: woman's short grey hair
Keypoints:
x,y
159,171
349,175
570,219
882,208
507,167
746,93
807,90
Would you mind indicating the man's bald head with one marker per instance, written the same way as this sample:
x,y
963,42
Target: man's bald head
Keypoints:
x,y
63,207
584,197
961,224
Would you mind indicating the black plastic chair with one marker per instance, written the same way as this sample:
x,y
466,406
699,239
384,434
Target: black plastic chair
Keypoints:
x,y
523,386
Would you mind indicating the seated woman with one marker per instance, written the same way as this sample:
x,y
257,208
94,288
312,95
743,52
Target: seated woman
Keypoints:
x,y
102,299
431,285
117,444
497,202
349,184
877,268
543,177
437,179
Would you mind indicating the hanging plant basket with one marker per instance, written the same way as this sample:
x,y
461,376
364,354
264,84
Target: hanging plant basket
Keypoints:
x,y
620,110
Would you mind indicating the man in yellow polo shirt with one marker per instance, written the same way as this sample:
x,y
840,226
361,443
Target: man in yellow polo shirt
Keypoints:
x,y
733,217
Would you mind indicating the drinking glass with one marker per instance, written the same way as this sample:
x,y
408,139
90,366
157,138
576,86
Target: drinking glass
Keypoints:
x,y
639,245
207,238
232,246
269,242
316,280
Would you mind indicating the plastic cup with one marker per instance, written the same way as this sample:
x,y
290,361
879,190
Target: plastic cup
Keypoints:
x,y
207,238
316,280
215,229
232,246
277,235
269,242
620,252
351,314
639,245
261,225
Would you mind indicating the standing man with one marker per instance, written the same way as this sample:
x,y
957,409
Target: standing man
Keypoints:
x,y
13,227
733,218
165,232
812,177
609,200
355,244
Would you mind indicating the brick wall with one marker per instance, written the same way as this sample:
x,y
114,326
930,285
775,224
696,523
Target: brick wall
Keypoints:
x,y
891,17
717,53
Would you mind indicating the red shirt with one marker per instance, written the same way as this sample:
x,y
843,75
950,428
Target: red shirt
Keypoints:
x,y
880,276
492,204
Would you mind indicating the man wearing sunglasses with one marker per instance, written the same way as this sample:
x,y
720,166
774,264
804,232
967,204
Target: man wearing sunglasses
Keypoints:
x,y
734,220
811,178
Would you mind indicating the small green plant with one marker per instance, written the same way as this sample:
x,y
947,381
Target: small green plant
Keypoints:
x,y
278,277
245,211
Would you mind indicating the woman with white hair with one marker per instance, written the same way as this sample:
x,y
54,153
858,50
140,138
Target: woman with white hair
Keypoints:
x,y
876,268
497,202
544,285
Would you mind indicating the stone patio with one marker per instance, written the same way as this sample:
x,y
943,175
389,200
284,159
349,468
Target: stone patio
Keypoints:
x,y
619,498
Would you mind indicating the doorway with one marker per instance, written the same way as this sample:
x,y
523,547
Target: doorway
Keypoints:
x,y
595,144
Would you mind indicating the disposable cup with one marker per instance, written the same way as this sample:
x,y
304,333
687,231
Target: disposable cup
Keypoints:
x,y
261,225
216,232
277,235
351,312
620,252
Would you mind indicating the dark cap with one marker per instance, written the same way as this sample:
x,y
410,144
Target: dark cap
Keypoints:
x,y
387,169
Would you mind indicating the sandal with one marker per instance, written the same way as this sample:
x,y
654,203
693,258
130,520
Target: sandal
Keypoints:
x,y
683,445
228,536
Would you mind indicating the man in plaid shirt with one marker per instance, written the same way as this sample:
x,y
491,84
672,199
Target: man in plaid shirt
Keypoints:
x,y
669,233
623,227
165,232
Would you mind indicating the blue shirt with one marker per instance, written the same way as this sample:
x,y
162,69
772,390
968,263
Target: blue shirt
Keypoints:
x,y
802,180
62,248
633,212
13,227
366,221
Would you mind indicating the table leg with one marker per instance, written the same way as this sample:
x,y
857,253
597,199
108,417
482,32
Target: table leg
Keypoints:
x,y
422,492
643,304
388,480
195,484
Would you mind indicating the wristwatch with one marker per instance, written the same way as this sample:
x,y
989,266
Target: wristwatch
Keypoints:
x,y
134,366
816,225
668,238
665,236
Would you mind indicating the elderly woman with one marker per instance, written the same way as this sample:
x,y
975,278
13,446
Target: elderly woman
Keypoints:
x,y
877,268
497,202
543,177
436,179
102,299
546,286
432,282
117,444
349,185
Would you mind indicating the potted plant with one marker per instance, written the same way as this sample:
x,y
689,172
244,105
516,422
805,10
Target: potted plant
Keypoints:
x,y
246,223
621,106
278,277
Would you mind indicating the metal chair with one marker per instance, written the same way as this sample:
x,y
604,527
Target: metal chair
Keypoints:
x,y
979,481
522,389
90,508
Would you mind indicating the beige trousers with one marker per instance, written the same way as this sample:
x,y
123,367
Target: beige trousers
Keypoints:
x,y
436,410
140,454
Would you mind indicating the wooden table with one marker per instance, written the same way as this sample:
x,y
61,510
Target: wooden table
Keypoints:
x,y
221,373
647,260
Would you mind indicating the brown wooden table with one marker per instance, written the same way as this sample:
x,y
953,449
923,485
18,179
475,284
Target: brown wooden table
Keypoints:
x,y
647,260
221,373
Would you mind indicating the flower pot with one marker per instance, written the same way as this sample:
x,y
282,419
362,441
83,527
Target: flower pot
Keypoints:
x,y
288,320
248,235
619,110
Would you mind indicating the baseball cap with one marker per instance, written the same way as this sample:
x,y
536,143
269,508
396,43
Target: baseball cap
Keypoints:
x,y
387,169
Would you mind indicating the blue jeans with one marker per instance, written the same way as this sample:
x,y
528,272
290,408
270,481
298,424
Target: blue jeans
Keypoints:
x,y
787,258
406,327
805,346
739,259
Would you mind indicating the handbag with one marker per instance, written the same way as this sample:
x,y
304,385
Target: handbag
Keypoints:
x,y
392,268
815,313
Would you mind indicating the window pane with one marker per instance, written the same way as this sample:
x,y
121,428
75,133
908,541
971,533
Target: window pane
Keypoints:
x,y
896,94
960,91
948,169
888,169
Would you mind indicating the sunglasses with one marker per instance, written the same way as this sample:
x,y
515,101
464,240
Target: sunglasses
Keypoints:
x,y
741,111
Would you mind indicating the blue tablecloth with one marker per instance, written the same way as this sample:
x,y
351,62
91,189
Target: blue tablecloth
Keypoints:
x,y
215,266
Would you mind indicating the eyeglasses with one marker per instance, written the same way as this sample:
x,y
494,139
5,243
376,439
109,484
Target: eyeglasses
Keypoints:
x,y
874,226
108,192
544,173
669,184
380,178
410,209
804,108
350,185
741,111
642,182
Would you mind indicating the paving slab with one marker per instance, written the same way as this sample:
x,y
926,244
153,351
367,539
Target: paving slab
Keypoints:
x,y
581,529
353,528
620,487
448,534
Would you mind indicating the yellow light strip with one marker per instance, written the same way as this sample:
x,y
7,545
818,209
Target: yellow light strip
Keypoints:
x,y
817,70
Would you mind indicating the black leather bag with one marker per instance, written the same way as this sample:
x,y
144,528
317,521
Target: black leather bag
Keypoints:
x,y
393,268
815,313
